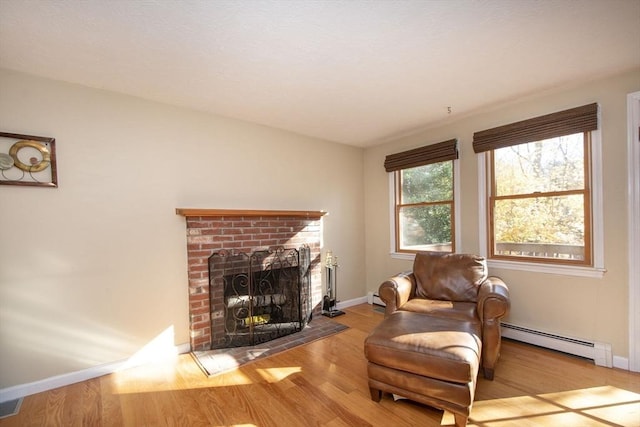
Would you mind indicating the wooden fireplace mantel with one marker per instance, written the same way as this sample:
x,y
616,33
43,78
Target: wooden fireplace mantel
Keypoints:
x,y
187,212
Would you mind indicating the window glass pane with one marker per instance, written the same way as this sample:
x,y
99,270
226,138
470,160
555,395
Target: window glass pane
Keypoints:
x,y
548,227
429,183
555,164
426,227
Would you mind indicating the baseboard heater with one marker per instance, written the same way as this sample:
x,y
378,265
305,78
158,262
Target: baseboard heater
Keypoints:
x,y
599,352
377,301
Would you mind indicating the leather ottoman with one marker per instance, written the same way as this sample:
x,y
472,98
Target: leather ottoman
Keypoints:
x,y
428,359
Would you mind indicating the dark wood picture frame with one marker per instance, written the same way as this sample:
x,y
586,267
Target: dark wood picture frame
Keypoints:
x,y
38,171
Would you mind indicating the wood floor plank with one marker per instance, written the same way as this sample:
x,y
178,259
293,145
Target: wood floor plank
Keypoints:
x,y
91,410
324,383
33,411
111,411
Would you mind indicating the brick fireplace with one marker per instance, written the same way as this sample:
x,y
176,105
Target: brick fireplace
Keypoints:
x,y
241,231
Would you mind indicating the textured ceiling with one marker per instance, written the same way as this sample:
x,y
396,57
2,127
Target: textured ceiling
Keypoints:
x,y
354,72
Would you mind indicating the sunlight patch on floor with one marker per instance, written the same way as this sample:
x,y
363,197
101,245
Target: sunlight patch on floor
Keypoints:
x,y
158,349
625,415
165,376
595,406
591,397
170,375
274,375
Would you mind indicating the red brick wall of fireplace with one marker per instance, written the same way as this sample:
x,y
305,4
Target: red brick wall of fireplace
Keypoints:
x,y
242,232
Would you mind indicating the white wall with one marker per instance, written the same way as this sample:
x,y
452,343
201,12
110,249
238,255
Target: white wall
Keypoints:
x,y
594,309
95,270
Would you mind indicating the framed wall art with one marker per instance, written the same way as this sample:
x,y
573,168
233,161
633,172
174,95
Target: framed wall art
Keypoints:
x,y
27,160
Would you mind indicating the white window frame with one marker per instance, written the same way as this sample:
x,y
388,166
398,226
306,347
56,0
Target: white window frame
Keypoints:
x,y
633,170
392,213
595,271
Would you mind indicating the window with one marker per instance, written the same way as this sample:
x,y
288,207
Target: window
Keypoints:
x,y
424,208
540,200
423,198
539,188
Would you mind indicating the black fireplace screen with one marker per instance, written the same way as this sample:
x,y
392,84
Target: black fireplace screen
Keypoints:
x,y
258,297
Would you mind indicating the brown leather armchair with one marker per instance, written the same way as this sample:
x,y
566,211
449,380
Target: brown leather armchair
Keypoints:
x,y
453,286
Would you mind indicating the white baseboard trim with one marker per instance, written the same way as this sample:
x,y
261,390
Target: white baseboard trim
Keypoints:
x,y
22,390
351,302
621,362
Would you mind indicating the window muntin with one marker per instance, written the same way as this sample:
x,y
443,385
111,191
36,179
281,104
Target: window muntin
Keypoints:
x,y
540,201
425,208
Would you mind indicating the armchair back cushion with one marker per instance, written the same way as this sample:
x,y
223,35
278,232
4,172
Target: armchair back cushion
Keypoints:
x,y
449,277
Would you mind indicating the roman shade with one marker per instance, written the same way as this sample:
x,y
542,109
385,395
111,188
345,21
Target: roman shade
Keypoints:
x,y
434,153
567,122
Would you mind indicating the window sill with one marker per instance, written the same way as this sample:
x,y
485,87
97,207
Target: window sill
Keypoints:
x,y
563,270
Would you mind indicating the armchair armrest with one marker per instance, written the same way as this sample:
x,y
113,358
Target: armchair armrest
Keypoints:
x,y
493,304
396,291
493,300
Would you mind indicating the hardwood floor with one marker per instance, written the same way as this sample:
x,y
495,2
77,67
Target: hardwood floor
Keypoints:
x,y
324,383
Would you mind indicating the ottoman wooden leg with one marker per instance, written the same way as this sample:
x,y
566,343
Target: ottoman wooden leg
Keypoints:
x,y
376,394
461,420
488,373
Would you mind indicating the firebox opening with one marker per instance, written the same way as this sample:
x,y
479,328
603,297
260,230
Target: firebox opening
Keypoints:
x,y
272,302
